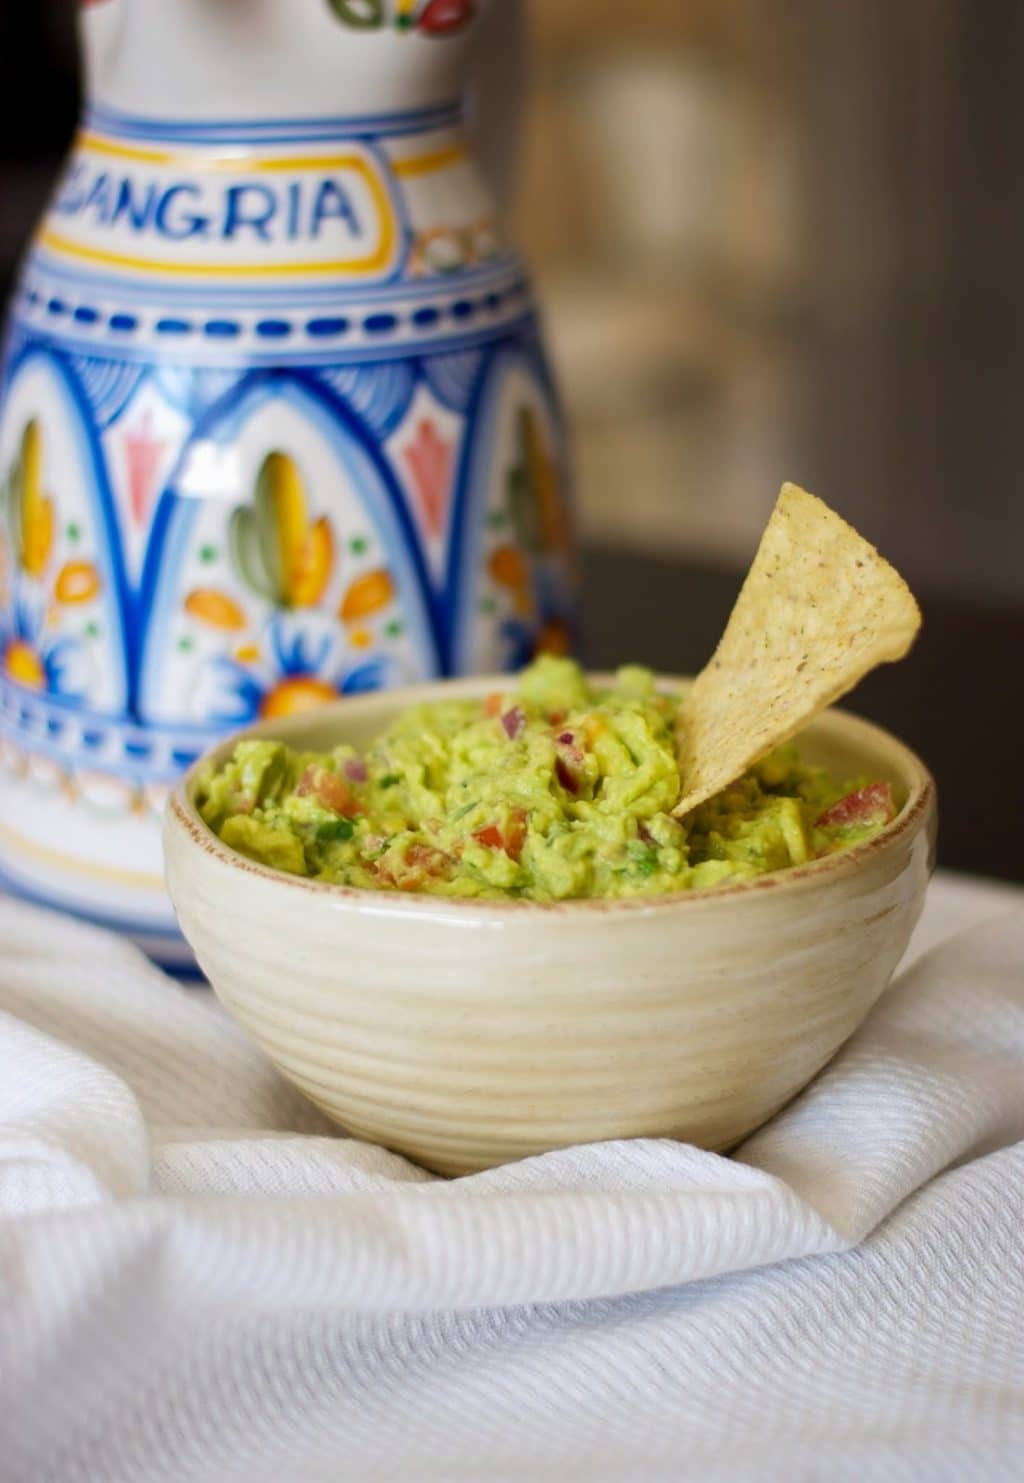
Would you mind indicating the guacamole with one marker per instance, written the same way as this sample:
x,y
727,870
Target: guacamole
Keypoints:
x,y
546,790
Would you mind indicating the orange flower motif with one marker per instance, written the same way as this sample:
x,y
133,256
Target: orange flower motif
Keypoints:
x,y
215,609
367,594
24,665
554,638
77,581
507,566
301,693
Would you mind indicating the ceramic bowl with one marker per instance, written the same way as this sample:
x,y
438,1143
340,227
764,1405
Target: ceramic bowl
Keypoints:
x,y
468,1033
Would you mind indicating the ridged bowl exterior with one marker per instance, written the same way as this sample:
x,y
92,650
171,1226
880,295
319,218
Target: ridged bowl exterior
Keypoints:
x,y
465,1034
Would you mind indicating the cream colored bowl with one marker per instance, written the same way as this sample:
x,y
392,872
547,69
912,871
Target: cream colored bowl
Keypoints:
x,y
468,1033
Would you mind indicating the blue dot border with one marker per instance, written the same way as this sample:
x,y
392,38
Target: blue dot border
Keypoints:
x,y
323,329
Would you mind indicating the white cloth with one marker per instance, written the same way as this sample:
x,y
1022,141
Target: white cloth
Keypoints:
x,y
199,1284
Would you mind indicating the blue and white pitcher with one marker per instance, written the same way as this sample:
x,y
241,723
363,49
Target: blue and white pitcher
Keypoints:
x,y
276,419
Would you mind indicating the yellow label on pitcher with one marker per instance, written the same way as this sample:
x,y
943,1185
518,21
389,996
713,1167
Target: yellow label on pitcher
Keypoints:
x,y
212,214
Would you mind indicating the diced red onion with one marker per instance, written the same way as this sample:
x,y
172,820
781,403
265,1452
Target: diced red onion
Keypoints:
x,y
571,754
513,721
565,775
307,782
355,770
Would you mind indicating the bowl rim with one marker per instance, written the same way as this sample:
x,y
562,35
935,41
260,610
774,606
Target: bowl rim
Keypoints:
x,y
182,814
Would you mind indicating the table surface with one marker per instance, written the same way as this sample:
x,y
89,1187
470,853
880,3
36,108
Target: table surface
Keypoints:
x,y
956,699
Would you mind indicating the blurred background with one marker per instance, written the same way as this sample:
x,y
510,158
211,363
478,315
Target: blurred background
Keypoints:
x,y
774,239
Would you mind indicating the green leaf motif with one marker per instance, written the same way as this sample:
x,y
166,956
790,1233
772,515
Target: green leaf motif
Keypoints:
x,y
13,502
266,526
524,496
247,553
523,508
361,15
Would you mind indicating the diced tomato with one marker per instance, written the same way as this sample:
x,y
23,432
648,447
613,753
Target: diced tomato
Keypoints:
x,y
409,873
335,794
422,860
515,833
493,704
871,805
511,841
329,790
557,717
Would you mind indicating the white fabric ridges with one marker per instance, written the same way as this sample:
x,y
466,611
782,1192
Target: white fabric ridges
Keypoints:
x,y
201,1285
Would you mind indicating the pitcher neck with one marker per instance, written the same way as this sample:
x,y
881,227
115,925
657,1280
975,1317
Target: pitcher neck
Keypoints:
x,y
210,66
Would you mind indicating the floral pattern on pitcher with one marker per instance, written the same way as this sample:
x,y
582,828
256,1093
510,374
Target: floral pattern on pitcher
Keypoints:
x,y
33,653
61,613
302,656
514,576
431,17
276,424
447,249
304,589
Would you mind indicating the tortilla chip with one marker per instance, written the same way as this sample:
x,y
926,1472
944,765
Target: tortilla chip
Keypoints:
x,y
818,610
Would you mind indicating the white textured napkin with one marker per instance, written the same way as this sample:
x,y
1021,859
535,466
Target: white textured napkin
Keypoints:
x,y
198,1282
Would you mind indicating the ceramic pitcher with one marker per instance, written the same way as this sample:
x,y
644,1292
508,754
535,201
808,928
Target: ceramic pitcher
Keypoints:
x,y
277,423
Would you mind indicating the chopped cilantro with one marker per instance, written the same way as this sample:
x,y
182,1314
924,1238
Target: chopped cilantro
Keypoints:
x,y
332,829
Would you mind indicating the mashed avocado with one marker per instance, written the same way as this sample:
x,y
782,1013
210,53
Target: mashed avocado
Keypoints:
x,y
548,790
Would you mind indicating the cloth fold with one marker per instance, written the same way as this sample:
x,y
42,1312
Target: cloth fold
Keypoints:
x,y
201,1281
